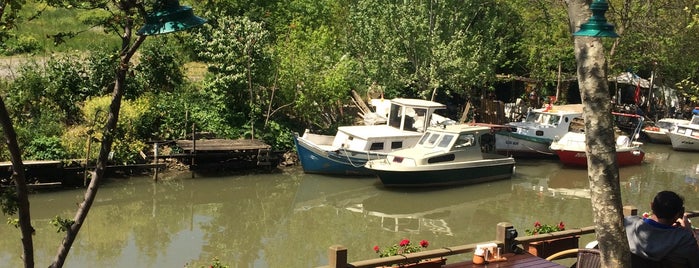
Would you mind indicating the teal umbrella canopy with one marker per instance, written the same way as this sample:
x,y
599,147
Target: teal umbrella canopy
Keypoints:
x,y
597,25
168,16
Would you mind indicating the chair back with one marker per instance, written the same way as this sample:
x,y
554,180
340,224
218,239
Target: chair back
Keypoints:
x,y
589,258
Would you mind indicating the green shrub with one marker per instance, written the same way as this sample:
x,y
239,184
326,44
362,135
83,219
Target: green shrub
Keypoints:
x,y
44,148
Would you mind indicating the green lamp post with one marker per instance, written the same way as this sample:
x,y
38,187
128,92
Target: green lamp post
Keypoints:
x,y
597,25
168,16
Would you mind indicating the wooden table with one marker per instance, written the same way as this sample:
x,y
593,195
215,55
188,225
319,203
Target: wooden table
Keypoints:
x,y
513,261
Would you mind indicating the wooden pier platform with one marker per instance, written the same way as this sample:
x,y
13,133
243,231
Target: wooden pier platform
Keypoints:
x,y
223,153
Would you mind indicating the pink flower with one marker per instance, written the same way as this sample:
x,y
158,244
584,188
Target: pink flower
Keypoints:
x,y
404,242
537,224
376,248
424,243
561,226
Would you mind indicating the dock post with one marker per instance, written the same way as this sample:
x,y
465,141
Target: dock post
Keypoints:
x,y
337,256
506,233
194,147
155,155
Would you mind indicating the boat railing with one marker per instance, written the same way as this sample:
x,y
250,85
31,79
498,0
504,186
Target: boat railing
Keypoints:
x,y
506,237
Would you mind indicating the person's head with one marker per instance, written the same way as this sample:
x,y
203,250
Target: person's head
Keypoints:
x,y
667,205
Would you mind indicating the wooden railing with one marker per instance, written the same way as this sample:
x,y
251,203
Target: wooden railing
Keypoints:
x,y
505,237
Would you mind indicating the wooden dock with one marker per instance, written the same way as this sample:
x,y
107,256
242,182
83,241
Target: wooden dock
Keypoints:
x,y
222,153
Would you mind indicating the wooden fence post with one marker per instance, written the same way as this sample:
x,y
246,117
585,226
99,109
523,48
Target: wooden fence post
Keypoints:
x,y
337,256
505,233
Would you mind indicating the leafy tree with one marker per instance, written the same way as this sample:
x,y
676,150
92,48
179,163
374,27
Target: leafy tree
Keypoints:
x,y
426,46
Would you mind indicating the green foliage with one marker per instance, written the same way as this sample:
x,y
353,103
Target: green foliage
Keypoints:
x,y
688,89
8,200
278,136
159,68
20,45
44,148
127,144
61,224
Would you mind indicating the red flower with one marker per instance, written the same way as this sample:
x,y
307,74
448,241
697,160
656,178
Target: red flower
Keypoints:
x,y
561,226
424,243
646,215
404,242
376,248
537,224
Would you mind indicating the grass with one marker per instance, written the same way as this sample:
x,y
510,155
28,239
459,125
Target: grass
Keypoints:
x,y
52,21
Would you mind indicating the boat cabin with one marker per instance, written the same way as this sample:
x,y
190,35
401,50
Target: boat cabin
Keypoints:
x,y
407,119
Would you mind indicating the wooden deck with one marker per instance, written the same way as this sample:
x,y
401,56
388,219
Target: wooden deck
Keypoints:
x,y
217,145
223,153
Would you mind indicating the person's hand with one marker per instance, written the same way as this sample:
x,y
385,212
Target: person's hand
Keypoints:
x,y
685,222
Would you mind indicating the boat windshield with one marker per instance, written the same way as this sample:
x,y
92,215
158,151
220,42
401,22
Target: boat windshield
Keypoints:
x,y
408,118
544,119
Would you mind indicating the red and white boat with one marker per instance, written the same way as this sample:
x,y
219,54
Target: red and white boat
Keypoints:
x,y
571,148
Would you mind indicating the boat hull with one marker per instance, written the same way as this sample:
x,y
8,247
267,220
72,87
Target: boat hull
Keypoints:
x,y
660,137
579,158
339,162
517,145
451,174
682,142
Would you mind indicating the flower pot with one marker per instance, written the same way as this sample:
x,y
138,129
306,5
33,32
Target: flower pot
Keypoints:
x,y
547,248
428,263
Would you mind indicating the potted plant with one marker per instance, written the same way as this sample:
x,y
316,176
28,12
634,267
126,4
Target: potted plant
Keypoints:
x,y
405,247
548,247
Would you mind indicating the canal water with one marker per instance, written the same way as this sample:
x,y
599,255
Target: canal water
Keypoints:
x,y
289,219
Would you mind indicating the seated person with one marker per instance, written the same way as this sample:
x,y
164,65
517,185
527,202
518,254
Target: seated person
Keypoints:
x,y
666,235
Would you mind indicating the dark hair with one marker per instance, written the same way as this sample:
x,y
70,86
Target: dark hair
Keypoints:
x,y
667,205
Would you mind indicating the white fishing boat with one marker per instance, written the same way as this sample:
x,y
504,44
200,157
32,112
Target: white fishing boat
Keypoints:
x,y
534,135
571,147
657,133
445,155
686,137
351,147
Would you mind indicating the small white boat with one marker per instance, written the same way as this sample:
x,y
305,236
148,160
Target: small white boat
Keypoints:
x,y
571,150
571,147
351,147
686,137
445,155
534,135
658,132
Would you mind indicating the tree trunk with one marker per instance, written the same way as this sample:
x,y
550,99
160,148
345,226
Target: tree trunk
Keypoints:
x,y
25,224
603,172
127,52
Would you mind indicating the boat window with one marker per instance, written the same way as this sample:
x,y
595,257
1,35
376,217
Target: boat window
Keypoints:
x,y
433,138
446,140
376,146
441,158
396,145
465,140
554,119
424,137
533,117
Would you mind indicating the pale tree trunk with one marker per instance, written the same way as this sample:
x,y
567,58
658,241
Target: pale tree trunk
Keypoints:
x,y
127,52
603,172
19,179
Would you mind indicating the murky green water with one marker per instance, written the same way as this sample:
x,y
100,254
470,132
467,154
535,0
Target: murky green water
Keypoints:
x,y
289,219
